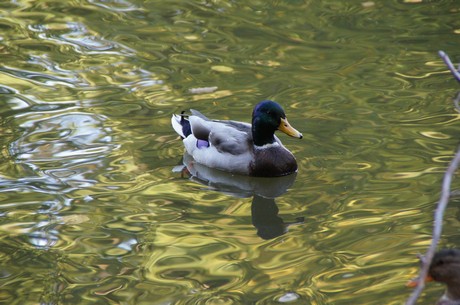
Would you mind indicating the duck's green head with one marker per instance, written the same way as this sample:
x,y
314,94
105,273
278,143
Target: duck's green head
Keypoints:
x,y
268,117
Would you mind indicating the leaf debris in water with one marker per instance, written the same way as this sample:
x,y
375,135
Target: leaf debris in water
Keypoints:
x,y
202,90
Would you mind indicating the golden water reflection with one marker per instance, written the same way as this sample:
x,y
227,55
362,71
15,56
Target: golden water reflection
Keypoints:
x,y
91,212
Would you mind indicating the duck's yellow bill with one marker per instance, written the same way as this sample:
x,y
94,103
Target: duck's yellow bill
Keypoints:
x,y
288,129
414,282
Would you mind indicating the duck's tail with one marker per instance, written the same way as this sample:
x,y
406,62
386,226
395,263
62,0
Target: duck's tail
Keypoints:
x,y
181,125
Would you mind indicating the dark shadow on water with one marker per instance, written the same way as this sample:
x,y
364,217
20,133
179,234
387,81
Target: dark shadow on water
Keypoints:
x,y
265,218
264,210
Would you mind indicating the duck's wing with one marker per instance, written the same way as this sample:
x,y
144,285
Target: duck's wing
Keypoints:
x,y
225,136
231,137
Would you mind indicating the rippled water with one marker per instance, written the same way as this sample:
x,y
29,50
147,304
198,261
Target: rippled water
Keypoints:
x,y
97,209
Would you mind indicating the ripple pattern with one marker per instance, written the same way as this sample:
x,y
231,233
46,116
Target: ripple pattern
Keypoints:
x,y
91,211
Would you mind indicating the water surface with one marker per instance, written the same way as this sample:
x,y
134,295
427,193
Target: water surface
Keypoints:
x,y
94,208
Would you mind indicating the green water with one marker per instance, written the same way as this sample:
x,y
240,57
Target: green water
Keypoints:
x,y
92,212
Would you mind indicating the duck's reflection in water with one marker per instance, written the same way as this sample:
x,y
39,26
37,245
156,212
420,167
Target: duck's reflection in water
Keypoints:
x,y
264,191
265,218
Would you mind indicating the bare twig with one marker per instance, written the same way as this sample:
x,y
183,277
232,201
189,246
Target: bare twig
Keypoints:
x,y
450,65
455,72
443,200
437,230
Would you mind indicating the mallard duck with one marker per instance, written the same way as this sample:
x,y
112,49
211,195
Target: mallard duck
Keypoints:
x,y
445,268
234,185
237,147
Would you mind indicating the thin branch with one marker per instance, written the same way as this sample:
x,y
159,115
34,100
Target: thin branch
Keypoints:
x,y
455,72
437,230
450,65
443,200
